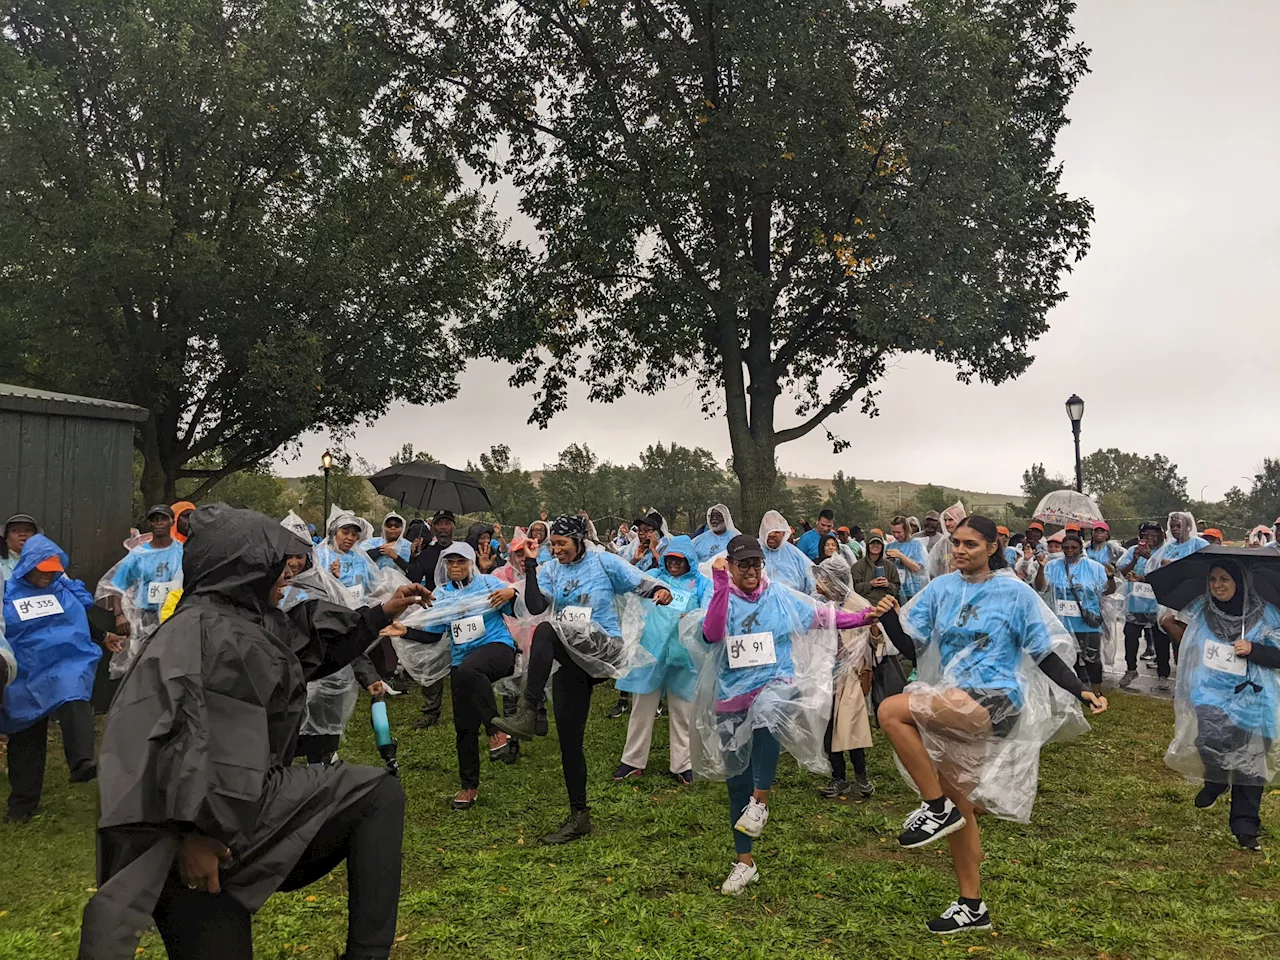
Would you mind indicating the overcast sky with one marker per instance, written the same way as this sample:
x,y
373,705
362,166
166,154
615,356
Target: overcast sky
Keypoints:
x,y
1169,332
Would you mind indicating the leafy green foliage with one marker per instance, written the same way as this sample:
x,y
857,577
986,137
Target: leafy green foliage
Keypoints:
x,y
808,502
930,497
754,195
846,501
1137,487
227,214
348,487
1116,862
407,454
677,481
1036,483
511,490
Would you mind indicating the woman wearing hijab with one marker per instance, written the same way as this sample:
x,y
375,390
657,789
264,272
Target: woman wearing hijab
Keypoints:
x,y
968,731
788,564
1227,705
468,612
874,576
674,672
580,587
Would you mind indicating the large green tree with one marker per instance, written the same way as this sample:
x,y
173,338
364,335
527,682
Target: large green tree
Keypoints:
x,y
773,199
230,215
677,481
511,489
1150,487
846,501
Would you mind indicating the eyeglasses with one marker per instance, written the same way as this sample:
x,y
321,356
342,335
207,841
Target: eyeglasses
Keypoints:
x,y
755,563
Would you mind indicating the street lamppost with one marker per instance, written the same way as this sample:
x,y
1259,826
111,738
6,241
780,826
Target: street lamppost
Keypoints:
x,y
1075,412
326,464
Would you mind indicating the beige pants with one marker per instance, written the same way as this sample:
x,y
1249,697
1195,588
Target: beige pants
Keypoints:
x,y
644,709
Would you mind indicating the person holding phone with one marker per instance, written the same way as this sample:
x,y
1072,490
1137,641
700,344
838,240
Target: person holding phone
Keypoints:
x,y
874,576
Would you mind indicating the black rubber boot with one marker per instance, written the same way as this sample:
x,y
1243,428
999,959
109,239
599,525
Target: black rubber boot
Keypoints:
x,y
575,828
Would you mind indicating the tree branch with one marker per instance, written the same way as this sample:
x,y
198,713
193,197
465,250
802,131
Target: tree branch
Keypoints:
x,y
837,401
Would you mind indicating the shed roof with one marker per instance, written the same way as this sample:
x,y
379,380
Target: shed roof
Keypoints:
x,y
30,400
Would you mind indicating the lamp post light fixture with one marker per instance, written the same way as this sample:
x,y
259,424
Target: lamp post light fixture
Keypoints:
x,y
1075,413
326,464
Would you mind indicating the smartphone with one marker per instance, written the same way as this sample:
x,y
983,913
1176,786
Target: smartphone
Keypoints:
x,y
878,572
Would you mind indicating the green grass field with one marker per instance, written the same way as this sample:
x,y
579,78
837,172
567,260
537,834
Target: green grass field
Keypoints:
x,y
1116,864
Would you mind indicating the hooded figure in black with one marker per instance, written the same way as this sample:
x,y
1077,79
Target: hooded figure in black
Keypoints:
x,y
201,818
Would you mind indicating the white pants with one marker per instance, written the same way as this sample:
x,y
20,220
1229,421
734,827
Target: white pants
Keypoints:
x,y
644,709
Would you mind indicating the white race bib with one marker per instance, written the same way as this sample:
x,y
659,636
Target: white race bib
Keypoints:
x,y
1222,657
357,591
1141,590
33,608
1067,608
680,599
157,593
751,650
574,615
468,629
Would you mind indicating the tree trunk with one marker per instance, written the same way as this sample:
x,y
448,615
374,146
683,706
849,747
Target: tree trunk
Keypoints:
x,y
757,474
159,480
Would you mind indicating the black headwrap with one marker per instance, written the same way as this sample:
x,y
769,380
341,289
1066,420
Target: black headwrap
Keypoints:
x,y
573,527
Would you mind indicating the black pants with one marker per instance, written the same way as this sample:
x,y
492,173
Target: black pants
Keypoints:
x,y
1089,658
199,926
1216,737
28,750
432,701
571,690
1163,643
318,747
858,756
472,684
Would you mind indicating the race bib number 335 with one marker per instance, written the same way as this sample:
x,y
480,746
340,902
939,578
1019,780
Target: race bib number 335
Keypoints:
x,y
33,608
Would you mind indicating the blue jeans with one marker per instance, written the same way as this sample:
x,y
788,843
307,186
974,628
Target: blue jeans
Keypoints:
x,y
758,776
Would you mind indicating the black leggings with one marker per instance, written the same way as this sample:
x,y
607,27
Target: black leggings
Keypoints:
x,y
318,747
571,690
1163,643
857,756
28,749
1089,658
197,926
472,684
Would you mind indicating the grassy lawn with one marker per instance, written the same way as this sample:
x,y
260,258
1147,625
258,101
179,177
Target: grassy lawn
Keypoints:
x,y
1117,864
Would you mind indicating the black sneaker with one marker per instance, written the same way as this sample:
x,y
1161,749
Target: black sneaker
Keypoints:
x,y
626,772
619,709
1148,655
513,752
1249,843
575,828
958,918
540,721
84,772
866,789
924,826
1209,794
522,726
425,722
835,788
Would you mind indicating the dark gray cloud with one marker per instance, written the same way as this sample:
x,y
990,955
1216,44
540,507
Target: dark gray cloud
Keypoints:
x,y
1173,139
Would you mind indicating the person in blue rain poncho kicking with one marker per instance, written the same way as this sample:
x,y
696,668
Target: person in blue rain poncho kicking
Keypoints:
x,y
47,627
674,673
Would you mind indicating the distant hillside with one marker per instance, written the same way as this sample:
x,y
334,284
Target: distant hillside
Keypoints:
x,y
887,494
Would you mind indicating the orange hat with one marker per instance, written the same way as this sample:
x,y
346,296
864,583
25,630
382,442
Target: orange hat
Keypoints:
x,y
179,508
1004,530
877,532
51,565
1036,525
843,530
1072,526
1212,532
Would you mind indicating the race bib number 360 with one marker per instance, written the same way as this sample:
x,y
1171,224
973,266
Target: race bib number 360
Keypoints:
x,y
1222,657
751,650
1143,591
575,615
33,608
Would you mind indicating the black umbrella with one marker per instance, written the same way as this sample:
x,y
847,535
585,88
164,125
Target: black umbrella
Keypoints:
x,y
431,486
1183,580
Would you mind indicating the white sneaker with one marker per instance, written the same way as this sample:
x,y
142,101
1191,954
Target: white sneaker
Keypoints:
x,y
741,877
753,819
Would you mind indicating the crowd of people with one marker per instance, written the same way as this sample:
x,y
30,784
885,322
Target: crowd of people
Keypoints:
x,y
241,644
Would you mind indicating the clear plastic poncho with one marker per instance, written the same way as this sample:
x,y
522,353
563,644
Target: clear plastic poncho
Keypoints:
x,y
710,544
983,640
142,580
772,670
1226,708
1177,547
584,598
940,553
788,565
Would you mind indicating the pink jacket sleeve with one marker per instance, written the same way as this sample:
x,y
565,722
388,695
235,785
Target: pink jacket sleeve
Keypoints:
x,y
713,624
844,619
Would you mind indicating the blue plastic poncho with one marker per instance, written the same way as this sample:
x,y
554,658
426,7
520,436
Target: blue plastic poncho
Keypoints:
x,y
674,670
48,632
787,565
1226,708
1081,591
987,636
403,546
709,543
149,574
912,549
1141,602
808,544
468,620
356,571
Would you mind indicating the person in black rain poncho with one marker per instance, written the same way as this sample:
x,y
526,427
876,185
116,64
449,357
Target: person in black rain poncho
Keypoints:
x,y
201,819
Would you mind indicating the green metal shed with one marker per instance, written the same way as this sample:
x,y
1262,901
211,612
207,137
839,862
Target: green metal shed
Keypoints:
x,y
68,461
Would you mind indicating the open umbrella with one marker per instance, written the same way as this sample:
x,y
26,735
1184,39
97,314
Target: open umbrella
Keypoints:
x,y
1067,506
1183,580
431,486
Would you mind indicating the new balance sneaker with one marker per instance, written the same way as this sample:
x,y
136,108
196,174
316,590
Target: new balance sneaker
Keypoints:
x,y
958,918
753,819
1127,680
866,789
835,788
627,772
741,877
925,826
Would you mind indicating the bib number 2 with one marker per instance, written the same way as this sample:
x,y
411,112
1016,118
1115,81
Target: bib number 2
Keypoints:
x,y
1222,657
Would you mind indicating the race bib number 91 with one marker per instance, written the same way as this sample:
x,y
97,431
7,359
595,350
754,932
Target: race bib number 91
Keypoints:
x,y
751,650
33,608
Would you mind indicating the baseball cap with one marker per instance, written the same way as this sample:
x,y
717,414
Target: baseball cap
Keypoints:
x,y
933,515
842,530
1004,530
1212,532
1101,525
50,565
21,518
1036,525
163,509
444,515
743,547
